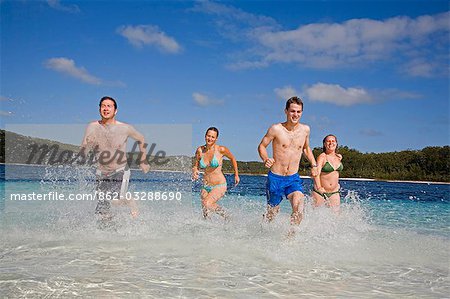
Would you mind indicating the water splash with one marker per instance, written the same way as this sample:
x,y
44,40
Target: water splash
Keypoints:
x,y
57,248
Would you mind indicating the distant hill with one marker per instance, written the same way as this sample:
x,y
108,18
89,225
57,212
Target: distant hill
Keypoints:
x,y
20,149
16,148
428,164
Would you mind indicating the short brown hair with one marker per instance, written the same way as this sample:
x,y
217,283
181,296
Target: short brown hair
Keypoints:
x,y
108,98
294,100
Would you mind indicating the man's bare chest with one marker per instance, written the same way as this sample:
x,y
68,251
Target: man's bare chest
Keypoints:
x,y
292,141
110,137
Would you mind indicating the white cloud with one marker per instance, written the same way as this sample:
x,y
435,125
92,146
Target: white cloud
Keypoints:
x,y
285,92
329,45
338,95
142,35
326,45
56,4
67,66
348,96
419,68
204,100
234,23
242,65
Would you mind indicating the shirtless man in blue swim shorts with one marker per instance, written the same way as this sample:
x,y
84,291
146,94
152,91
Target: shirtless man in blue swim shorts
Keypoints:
x,y
289,140
109,138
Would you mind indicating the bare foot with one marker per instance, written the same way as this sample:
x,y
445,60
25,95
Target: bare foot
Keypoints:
x,y
296,218
291,233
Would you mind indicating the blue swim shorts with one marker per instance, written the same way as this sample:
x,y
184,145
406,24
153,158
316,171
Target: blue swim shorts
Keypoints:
x,y
279,185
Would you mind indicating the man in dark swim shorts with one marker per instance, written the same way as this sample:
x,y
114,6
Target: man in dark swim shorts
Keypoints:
x,y
109,137
110,187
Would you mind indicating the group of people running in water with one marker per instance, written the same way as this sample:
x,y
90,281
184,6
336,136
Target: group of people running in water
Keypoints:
x,y
289,139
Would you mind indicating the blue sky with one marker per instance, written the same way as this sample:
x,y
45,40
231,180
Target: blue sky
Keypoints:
x,y
375,73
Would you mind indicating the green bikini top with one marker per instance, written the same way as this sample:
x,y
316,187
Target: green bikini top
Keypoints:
x,y
214,163
329,168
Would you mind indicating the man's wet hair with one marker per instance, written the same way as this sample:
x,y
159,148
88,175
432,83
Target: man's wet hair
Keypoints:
x,y
213,129
294,100
108,98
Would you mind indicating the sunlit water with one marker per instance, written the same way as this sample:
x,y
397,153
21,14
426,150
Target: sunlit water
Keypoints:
x,y
391,240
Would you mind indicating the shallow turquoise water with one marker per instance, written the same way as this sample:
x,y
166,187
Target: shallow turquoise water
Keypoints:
x,y
391,240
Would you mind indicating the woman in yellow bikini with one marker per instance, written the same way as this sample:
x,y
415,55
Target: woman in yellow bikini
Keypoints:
x,y
209,158
326,184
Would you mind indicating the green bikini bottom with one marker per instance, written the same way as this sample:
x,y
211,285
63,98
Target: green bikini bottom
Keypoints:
x,y
210,188
326,195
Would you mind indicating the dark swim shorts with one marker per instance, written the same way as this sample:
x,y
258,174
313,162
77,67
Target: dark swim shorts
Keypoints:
x,y
111,186
279,185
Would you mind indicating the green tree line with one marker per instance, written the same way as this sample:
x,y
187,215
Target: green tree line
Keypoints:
x,y
429,164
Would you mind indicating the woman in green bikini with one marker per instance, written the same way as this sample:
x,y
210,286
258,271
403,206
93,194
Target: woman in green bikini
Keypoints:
x,y
326,184
209,158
